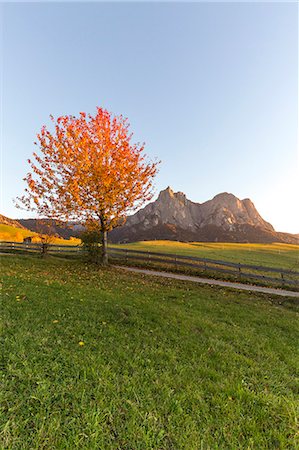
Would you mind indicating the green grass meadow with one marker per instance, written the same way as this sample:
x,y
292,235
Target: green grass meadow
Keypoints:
x,y
97,358
284,256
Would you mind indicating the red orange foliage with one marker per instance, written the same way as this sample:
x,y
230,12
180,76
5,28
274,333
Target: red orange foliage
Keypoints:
x,y
88,170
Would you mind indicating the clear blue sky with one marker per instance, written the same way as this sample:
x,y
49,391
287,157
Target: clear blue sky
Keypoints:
x,y
212,88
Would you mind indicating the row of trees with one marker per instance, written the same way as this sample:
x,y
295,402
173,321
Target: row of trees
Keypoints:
x,y
88,170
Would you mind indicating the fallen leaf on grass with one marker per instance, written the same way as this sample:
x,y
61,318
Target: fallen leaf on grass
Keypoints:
x,y
21,297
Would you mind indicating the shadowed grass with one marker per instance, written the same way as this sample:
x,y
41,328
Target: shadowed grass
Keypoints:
x,y
164,365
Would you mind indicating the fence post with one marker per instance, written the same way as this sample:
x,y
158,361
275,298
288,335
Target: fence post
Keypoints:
x,y
282,279
239,269
44,249
176,261
126,256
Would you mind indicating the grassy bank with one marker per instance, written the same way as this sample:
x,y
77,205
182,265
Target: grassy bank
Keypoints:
x,y
101,359
13,234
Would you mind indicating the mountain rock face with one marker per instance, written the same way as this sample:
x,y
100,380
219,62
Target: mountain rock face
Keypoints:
x,y
64,230
224,218
172,216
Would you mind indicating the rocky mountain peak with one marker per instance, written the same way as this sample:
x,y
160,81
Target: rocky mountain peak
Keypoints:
x,y
165,194
168,199
224,196
226,199
168,194
173,216
181,197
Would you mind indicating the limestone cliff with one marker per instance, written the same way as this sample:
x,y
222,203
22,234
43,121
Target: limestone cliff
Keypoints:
x,y
224,218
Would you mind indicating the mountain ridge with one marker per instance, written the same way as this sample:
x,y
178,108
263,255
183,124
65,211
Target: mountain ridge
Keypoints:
x,y
12,222
223,218
172,216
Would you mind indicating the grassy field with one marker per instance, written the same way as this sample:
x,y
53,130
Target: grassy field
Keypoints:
x,y
272,255
101,359
13,234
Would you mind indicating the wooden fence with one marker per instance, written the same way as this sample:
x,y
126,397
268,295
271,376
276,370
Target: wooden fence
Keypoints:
x,y
52,249
203,265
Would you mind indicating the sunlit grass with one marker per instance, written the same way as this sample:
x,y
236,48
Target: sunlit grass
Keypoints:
x,y
101,359
12,234
273,255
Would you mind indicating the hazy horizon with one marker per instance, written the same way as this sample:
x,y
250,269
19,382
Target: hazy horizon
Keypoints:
x,y
32,216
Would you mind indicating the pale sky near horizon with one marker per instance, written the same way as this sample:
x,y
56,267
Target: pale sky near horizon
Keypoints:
x,y
212,88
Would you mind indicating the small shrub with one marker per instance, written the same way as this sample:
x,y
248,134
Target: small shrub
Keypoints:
x,y
91,240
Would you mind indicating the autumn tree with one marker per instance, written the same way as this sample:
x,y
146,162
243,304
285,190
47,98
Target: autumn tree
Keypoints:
x,y
46,234
88,170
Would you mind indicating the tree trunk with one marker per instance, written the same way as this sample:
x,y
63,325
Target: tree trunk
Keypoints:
x,y
104,249
44,250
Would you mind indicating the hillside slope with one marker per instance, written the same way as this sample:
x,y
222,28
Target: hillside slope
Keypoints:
x,y
12,222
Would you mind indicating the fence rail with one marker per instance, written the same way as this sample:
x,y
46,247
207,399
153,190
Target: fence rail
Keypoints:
x,y
254,272
259,273
40,248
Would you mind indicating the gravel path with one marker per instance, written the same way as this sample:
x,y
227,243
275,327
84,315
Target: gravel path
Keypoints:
x,y
244,287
